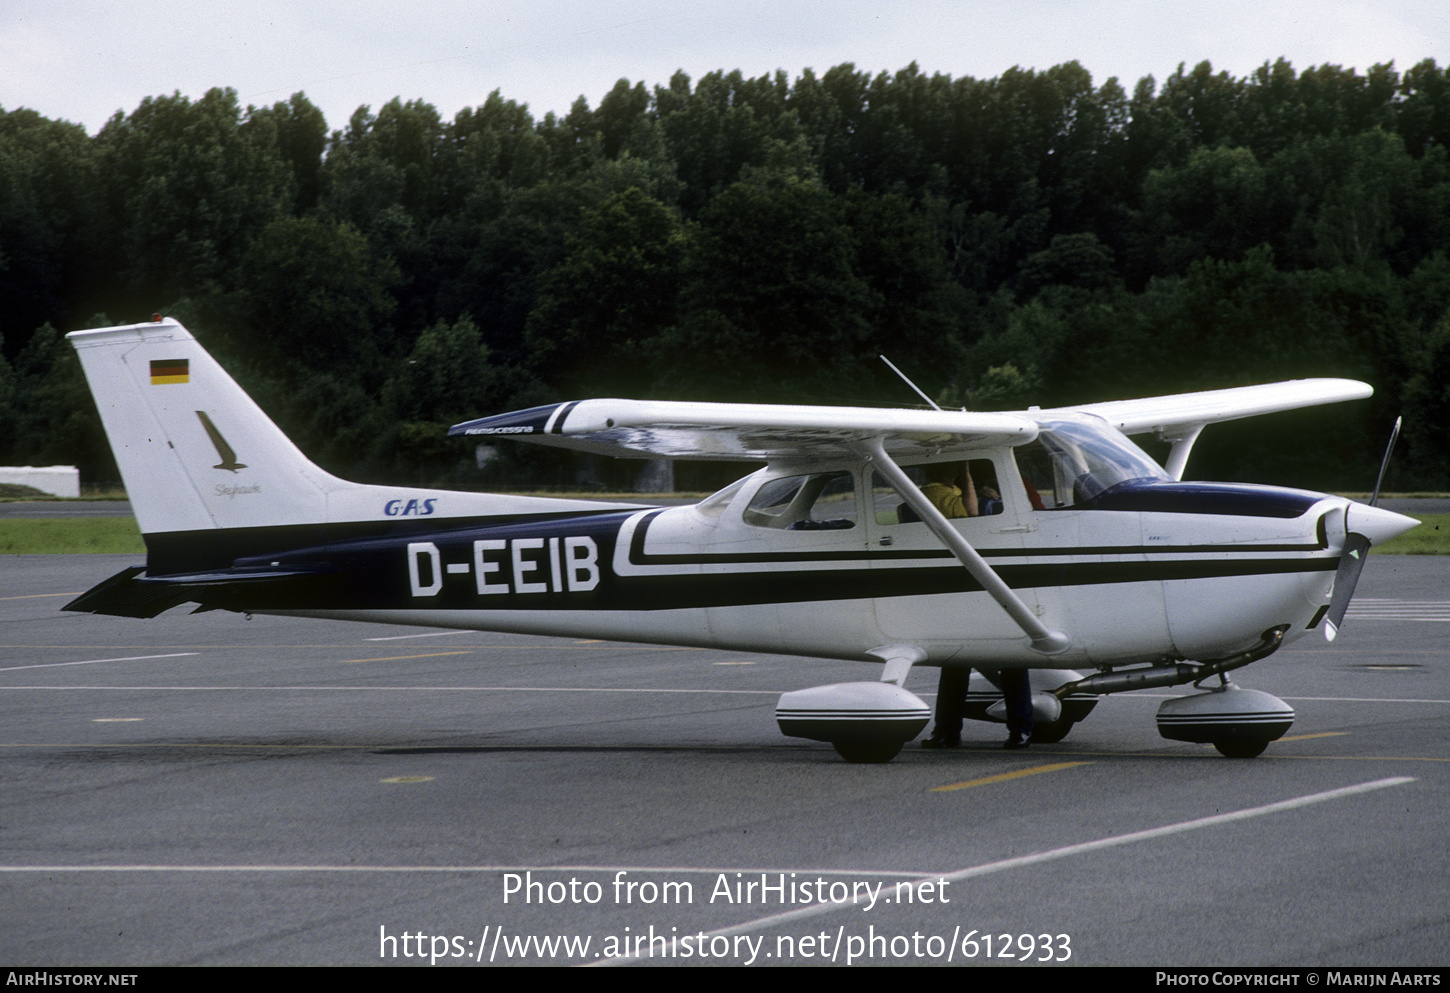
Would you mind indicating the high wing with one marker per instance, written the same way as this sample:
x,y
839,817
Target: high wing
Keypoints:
x,y
747,431
1180,418
1172,414
772,432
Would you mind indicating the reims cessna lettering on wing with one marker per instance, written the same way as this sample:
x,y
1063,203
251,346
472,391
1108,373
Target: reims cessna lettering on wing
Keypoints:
x,y
1093,557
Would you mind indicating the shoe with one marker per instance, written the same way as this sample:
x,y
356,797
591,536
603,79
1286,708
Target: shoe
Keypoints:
x,y
1017,741
940,740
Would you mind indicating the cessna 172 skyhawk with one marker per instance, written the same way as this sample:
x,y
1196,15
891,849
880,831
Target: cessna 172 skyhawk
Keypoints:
x,y
1094,556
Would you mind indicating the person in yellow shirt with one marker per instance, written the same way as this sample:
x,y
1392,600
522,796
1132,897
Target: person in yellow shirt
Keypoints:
x,y
950,489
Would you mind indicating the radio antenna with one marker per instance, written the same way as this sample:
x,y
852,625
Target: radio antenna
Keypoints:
x,y
908,382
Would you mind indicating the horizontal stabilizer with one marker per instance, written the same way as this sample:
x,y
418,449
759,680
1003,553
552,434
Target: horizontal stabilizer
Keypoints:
x,y
130,594
123,595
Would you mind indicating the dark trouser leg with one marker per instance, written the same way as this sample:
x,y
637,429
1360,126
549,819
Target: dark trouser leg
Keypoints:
x,y
1017,689
951,701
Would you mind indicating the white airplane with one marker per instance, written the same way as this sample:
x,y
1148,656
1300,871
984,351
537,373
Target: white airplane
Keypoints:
x,y
1090,554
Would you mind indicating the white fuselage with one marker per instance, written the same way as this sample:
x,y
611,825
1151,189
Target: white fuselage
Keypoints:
x,y
1127,585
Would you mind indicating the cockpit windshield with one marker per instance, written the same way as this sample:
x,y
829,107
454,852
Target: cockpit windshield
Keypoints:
x,y
1073,461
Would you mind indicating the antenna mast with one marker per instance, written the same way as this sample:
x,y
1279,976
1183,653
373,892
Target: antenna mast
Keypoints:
x,y
908,382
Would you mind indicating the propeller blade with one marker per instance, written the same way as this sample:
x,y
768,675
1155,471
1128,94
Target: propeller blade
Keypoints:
x,y
1382,524
1385,462
1351,564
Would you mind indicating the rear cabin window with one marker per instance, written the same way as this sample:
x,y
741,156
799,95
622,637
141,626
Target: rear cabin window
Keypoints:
x,y
821,501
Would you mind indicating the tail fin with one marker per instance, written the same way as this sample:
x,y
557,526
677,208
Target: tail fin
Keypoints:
x,y
197,455
195,452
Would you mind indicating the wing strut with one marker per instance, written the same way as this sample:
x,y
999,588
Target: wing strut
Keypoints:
x,y
1182,439
1043,640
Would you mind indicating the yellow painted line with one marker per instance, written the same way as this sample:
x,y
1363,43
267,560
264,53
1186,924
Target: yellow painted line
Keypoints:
x,y
1358,758
395,658
1294,737
1207,754
1005,776
36,596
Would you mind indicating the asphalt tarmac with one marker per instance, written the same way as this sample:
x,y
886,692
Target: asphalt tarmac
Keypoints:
x,y
215,790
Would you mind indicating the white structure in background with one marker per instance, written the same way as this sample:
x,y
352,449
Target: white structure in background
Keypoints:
x,y
58,480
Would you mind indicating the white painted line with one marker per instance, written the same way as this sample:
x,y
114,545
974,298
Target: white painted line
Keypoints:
x,y
1054,854
129,658
430,634
1139,695
397,689
1359,699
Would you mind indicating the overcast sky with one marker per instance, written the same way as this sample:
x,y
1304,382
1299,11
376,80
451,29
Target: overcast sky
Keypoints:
x,y
82,60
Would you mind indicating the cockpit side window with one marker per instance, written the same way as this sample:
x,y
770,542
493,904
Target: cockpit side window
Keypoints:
x,y
1073,462
820,501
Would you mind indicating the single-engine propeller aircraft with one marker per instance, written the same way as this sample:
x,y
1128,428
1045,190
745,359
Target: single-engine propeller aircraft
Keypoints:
x,y
1093,556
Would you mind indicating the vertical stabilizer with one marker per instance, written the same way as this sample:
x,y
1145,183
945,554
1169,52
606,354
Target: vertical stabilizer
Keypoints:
x,y
194,451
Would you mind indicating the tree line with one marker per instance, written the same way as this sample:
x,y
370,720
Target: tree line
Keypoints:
x,y
1028,239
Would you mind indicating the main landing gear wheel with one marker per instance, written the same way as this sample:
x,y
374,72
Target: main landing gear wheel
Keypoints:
x,y
1240,749
867,752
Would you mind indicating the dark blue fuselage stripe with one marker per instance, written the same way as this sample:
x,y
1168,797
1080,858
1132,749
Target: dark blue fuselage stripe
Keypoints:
x,y
357,589
558,427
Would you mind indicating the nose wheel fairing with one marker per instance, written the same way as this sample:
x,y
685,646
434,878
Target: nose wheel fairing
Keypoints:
x,y
1240,723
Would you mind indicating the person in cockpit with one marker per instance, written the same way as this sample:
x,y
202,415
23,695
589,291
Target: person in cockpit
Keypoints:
x,y
950,489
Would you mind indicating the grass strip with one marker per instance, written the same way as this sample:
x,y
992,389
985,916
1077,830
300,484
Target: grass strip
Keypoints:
x,y
69,536
1432,537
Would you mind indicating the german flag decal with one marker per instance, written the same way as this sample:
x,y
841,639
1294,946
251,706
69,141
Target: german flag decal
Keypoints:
x,y
165,371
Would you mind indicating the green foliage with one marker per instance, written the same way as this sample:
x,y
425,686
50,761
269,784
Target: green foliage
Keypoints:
x,y
49,199
774,303
1036,237
616,290
445,378
300,137
52,415
1001,387
189,187
319,297
1212,206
